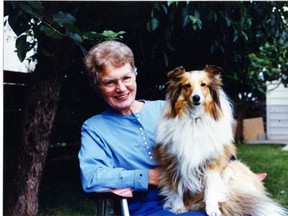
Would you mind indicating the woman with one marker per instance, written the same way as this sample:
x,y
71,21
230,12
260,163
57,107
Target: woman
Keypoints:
x,y
116,145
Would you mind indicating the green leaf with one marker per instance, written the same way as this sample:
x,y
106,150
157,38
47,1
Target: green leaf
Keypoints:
x,y
29,10
185,17
50,32
196,21
62,18
193,19
108,34
92,35
74,33
228,21
199,23
22,47
166,60
165,9
36,5
75,37
171,47
105,35
73,29
25,7
84,50
152,25
244,35
235,36
170,2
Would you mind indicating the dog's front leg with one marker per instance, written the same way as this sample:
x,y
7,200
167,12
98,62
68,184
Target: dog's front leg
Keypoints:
x,y
174,200
215,191
175,204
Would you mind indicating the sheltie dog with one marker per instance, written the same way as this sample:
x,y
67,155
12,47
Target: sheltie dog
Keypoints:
x,y
195,150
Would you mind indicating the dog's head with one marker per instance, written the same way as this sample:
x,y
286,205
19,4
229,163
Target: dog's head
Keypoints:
x,y
196,91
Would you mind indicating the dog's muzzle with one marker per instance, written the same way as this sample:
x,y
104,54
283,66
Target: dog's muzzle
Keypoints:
x,y
196,100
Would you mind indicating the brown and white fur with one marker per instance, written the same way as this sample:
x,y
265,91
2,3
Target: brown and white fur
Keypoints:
x,y
194,149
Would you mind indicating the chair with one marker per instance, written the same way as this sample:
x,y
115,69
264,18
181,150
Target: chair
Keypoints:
x,y
109,203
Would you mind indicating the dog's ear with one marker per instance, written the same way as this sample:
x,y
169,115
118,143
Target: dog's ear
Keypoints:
x,y
215,70
176,73
214,73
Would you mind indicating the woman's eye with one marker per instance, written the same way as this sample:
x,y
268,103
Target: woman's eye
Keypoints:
x,y
126,79
108,83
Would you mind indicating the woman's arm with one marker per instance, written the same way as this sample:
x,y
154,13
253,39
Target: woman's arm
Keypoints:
x,y
97,167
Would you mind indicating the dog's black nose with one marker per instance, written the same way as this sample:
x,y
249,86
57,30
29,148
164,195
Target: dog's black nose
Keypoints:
x,y
196,98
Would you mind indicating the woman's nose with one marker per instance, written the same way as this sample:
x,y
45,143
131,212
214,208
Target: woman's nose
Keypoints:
x,y
120,86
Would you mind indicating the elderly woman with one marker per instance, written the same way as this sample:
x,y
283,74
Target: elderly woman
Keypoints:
x,y
116,145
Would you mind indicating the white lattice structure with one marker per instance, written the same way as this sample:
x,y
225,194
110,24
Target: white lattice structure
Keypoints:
x,y
277,113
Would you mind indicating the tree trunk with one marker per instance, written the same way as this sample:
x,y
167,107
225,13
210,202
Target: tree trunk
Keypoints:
x,y
239,134
39,116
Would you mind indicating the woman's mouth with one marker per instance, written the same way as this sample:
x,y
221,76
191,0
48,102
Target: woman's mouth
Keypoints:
x,y
122,97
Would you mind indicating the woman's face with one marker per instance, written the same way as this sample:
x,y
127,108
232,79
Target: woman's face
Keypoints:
x,y
118,87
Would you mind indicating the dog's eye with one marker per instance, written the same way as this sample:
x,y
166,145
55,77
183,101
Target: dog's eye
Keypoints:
x,y
187,85
203,84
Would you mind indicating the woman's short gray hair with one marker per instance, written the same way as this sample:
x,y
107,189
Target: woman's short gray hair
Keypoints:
x,y
107,52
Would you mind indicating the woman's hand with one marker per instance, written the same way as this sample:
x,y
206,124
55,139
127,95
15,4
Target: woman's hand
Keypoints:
x,y
154,176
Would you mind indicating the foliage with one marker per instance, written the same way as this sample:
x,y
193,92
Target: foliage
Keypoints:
x,y
239,33
229,34
29,19
166,19
232,35
269,64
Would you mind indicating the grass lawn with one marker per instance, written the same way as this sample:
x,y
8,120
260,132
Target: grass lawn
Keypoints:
x,y
61,193
272,160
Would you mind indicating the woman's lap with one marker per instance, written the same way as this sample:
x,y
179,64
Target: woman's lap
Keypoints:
x,y
162,212
151,204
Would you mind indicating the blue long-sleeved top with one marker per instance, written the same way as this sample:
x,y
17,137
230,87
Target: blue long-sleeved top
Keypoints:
x,y
116,149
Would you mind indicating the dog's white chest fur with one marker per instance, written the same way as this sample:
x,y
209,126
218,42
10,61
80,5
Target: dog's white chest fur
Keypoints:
x,y
193,142
196,139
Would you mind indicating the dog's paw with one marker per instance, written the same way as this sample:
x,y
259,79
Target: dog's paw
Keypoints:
x,y
213,211
177,209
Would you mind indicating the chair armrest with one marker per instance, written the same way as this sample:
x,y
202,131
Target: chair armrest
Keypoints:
x,y
123,192
118,196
